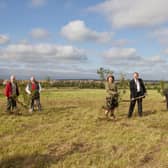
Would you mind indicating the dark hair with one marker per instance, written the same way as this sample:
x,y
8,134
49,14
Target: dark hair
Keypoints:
x,y
110,76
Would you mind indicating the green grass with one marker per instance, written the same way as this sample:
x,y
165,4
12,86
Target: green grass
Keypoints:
x,y
72,132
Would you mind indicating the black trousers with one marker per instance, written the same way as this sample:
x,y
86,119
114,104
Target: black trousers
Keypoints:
x,y
11,104
132,106
166,95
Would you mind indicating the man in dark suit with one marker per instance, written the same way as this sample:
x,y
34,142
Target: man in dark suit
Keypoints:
x,y
137,92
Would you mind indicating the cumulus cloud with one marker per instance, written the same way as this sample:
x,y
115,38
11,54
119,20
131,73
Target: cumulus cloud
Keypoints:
x,y
42,71
4,39
42,60
156,59
39,52
59,72
128,60
77,31
39,33
133,13
121,53
38,3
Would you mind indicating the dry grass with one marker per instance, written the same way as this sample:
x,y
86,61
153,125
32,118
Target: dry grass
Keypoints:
x,y
72,132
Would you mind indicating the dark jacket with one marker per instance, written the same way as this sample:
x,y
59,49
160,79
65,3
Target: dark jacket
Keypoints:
x,y
35,88
133,88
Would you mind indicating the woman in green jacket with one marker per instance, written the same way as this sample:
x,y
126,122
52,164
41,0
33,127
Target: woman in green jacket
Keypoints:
x,y
112,96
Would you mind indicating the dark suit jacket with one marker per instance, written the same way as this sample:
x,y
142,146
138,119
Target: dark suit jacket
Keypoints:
x,y
133,88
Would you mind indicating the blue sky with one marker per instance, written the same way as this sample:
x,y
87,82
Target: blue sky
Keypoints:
x,y
73,38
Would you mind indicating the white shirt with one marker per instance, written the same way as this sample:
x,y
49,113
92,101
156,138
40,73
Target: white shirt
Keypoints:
x,y
138,85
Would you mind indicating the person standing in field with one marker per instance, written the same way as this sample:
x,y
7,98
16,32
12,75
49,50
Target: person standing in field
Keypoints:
x,y
137,92
165,93
33,88
11,92
112,96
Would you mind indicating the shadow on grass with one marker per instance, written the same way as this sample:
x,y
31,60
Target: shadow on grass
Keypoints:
x,y
56,153
60,108
44,111
51,110
149,112
106,119
27,161
165,110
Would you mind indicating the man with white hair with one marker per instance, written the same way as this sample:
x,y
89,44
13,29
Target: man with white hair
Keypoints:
x,y
33,88
11,92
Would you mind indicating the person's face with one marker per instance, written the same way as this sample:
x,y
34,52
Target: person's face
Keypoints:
x,y
32,79
110,79
12,78
136,75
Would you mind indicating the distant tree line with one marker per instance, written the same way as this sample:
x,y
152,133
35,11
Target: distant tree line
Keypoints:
x,y
82,84
122,82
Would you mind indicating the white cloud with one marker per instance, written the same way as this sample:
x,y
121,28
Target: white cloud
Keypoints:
x,y
151,62
39,33
4,39
77,31
161,32
38,3
161,35
42,52
127,60
120,53
57,61
166,51
63,72
133,13
156,59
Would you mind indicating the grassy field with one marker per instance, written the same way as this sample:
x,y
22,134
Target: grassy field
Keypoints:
x,y
72,132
